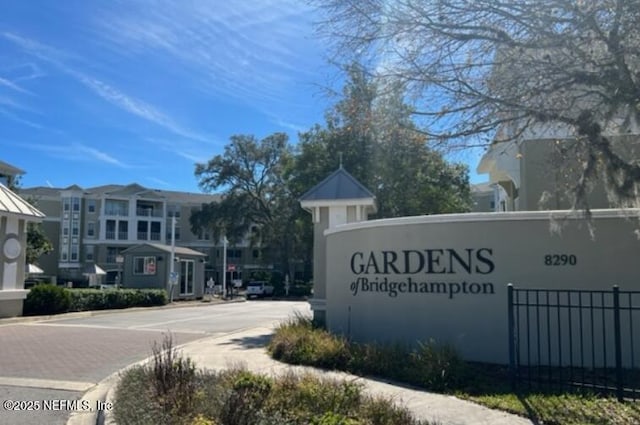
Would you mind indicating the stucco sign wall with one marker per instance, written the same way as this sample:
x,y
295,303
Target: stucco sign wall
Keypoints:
x,y
445,277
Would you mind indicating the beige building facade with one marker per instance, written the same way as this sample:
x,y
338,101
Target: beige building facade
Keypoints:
x,y
96,225
534,174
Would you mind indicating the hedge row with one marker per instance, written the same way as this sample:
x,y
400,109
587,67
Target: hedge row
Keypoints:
x,y
52,299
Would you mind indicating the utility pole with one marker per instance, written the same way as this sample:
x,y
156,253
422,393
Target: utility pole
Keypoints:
x,y
172,260
224,266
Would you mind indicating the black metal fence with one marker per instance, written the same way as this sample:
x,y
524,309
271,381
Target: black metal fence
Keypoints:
x,y
578,340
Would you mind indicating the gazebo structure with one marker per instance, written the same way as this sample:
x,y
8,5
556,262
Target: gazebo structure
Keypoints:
x,y
15,213
338,199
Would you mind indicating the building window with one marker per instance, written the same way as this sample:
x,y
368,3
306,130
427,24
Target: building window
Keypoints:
x,y
91,229
155,231
112,253
234,253
256,253
74,252
65,230
111,229
76,204
144,265
143,230
204,235
66,204
114,207
173,210
74,228
177,233
89,253
91,205
123,230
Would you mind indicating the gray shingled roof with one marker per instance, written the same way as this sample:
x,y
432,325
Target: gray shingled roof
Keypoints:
x,y
179,250
13,204
338,185
115,190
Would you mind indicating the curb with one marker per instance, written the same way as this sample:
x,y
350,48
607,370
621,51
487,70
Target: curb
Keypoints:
x,y
104,391
91,313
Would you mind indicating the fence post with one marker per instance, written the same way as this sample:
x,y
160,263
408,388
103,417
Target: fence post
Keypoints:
x,y
512,346
618,343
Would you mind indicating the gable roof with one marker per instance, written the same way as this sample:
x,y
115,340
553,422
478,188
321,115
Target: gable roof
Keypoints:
x,y
13,204
179,250
8,169
338,185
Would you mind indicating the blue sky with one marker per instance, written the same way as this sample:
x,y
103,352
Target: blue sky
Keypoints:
x,y
97,92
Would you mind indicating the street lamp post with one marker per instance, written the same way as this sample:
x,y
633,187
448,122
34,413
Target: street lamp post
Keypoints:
x,y
120,261
224,266
172,260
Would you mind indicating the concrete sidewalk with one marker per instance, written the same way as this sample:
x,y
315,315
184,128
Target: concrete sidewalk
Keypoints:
x,y
247,348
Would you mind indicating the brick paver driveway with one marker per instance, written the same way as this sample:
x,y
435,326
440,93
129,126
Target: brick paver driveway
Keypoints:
x,y
73,353
64,357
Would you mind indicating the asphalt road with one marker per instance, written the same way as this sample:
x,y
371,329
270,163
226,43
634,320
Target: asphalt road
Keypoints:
x,y
46,365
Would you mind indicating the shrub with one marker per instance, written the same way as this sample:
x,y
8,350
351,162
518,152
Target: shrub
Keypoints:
x,y
174,379
47,299
300,290
429,365
239,397
102,299
246,398
299,342
437,367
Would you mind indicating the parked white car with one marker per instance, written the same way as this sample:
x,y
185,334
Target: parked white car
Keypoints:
x,y
259,288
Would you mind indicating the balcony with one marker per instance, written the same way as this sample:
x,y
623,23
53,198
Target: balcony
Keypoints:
x,y
116,212
149,212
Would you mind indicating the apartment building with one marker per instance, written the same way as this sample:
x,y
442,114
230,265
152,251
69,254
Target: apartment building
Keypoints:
x,y
93,226
538,171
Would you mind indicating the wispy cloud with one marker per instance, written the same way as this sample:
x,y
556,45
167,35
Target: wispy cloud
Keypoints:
x,y
18,119
159,182
290,125
107,92
6,83
134,106
75,152
251,51
100,156
193,152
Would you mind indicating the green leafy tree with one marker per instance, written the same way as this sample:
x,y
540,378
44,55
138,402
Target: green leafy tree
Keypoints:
x,y
255,203
37,243
371,132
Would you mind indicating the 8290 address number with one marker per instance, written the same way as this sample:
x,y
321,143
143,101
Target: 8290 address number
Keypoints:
x,y
560,260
